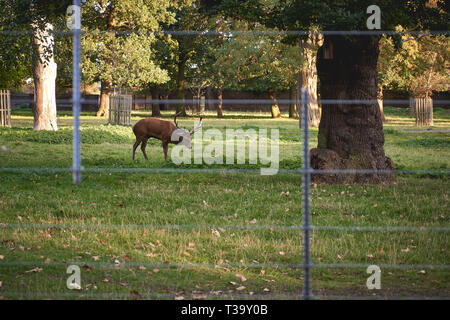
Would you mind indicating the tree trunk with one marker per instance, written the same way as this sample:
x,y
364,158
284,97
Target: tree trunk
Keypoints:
x,y
181,107
156,112
293,105
350,135
219,105
105,92
308,75
44,75
380,101
209,96
275,110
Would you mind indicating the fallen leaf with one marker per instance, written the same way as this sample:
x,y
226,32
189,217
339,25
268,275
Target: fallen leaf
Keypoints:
x,y
252,221
241,276
142,268
96,258
155,270
262,272
422,271
281,253
74,286
136,295
37,269
240,288
2,257
405,250
179,298
266,290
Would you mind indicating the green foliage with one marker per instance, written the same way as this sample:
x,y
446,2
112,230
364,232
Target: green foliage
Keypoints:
x,y
258,62
124,59
421,64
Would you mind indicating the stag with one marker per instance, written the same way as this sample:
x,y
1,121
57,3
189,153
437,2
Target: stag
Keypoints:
x,y
165,131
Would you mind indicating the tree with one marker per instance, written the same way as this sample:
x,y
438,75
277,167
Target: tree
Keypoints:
x,y
188,19
258,62
419,64
38,16
350,135
118,49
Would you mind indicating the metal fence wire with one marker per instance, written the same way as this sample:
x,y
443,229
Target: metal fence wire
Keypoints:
x,y
305,226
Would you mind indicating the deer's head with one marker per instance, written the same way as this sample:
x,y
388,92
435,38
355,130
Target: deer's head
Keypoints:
x,y
182,136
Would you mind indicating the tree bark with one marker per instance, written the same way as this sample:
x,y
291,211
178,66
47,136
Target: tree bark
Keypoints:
x,y
219,104
380,101
293,105
105,92
275,110
44,75
350,135
308,75
181,107
156,112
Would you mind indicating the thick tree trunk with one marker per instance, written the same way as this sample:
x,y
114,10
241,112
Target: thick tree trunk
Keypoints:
x,y
219,105
105,92
293,105
350,135
181,107
275,110
44,75
308,76
156,112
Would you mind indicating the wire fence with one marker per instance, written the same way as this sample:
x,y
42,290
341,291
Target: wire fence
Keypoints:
x,y
306,171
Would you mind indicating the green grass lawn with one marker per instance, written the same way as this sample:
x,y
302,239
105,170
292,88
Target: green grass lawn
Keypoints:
x,y
118,225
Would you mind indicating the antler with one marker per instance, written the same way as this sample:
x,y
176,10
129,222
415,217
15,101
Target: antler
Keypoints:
x,y
175,119
197,127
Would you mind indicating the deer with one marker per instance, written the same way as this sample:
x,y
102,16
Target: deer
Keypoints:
x,y
165,131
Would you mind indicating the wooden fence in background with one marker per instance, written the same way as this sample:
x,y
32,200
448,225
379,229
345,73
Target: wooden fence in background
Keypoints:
x,y
5,108
120,109
422,109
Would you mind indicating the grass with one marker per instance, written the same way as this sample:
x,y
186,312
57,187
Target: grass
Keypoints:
x,y
155,260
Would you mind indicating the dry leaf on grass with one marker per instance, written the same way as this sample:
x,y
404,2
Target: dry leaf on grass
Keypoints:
x,y
241,276
37,269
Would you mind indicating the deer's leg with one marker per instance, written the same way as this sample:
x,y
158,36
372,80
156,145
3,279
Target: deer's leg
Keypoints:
x,y
165,148
136,144
143,145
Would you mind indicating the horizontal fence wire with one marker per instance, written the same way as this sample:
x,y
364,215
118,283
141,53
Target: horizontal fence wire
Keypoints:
x,y
50,170
223,265
243,101
225,227
218,295
229,33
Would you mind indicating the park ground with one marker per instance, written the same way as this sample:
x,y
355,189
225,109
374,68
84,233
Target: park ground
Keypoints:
x,y
211,256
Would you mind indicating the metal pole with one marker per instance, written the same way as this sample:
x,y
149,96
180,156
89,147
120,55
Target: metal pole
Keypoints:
x,y
76,96
306,178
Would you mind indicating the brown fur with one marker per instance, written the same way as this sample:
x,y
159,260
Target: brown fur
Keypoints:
x,y
153,128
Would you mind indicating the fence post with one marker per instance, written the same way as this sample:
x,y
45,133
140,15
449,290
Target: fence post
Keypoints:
x,y
76,174
8,103
306,178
